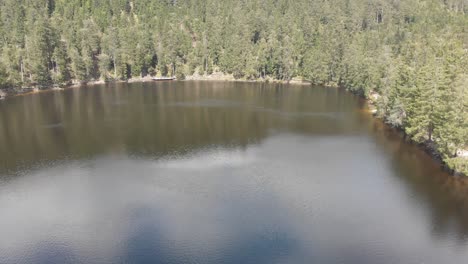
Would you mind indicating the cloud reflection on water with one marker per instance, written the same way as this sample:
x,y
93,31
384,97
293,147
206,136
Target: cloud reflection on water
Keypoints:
x,y
281,201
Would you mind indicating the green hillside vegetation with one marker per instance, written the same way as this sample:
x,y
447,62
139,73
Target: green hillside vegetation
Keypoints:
x,y
410,55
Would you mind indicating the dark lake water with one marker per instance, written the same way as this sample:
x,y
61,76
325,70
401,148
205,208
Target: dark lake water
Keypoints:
x,y
218,172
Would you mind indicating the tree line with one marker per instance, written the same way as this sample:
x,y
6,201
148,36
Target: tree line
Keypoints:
x,y
409,56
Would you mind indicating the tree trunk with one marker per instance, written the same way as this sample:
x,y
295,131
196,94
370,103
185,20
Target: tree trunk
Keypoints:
x,y
22,72
429,131
115,68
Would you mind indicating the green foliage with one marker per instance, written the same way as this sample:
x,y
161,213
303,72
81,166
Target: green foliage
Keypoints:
x,y
62,73
40,49
3,78
78,65
412,53
104,65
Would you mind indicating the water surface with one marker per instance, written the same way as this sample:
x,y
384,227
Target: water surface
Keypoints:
x,y
218,172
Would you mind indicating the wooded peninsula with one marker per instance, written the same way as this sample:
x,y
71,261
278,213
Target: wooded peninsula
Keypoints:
x,y
409,57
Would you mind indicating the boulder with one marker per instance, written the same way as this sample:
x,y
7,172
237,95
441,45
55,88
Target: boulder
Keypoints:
x,y
462,153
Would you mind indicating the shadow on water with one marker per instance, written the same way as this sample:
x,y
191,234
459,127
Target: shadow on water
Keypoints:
x,y
445,195
47,253
148,243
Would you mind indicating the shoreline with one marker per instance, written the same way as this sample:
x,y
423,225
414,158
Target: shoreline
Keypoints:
x,y
428,147
217,76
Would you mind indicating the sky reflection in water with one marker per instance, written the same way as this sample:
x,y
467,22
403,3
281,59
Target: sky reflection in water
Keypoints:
x,y
275,191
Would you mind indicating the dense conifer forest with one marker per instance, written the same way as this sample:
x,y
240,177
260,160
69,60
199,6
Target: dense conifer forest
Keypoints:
x,y
410,57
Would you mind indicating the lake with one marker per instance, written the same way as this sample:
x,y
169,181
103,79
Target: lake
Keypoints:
x,y
218,172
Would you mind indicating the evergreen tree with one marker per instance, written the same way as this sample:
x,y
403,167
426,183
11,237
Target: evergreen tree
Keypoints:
x,y
62,64
40,50
413,55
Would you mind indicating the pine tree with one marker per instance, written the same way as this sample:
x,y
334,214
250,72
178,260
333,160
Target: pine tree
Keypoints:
x,y
62,64
413,55
4,83
78,66
420,106
40,50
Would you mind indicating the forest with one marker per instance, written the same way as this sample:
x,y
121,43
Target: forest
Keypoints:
x,y
410,57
